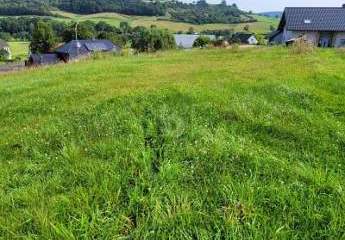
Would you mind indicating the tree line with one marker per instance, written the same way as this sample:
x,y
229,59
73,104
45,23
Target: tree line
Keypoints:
x,y
202,13
25,7
199,12
45,36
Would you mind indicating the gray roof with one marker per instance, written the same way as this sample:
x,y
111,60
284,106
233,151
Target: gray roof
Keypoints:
x,y
313,19
82,47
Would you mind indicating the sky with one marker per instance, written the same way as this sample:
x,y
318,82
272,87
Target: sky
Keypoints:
x,y
278,5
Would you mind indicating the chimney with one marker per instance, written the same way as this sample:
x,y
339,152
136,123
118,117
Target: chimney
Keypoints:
x,y
343,5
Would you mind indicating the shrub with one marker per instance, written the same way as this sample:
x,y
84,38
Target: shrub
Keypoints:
x,y
246,28
6,36
261,39
117,39
5,55
201,42
221,43
151,40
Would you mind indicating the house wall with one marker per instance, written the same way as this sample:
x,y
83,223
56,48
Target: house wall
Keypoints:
x,y
287,35
339,39
312,37
278,39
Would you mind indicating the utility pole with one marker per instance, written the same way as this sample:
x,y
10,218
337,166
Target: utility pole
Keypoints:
x,y
76,31
76,37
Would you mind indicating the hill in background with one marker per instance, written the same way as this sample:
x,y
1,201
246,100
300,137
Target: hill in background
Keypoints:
x,y
275,14
262,25
198,13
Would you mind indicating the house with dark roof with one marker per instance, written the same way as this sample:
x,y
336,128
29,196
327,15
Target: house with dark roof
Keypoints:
x,y
245,38
73,50
321,26
82,48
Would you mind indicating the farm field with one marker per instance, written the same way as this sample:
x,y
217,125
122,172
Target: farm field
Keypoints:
x,y
245,144
19,49
262,26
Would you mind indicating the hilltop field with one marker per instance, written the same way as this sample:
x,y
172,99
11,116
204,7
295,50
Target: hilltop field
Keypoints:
x,y
19,50
261,26
200,144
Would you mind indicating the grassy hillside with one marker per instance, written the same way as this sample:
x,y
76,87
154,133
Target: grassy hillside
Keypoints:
x,y
19,49
245,144
262,26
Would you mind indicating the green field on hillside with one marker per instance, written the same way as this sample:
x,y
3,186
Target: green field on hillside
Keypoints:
x,y
243,144
262,26
19,49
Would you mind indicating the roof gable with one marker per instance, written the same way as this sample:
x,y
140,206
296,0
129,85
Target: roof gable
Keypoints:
x,y
86,46
313,19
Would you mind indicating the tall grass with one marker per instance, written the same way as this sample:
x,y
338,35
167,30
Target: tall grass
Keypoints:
x,y
301,46
210,144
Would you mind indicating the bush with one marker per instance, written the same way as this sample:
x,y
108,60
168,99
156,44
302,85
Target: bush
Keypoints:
x,y
201,42
6,36
153,39
261,39
117,39
5,55
221,43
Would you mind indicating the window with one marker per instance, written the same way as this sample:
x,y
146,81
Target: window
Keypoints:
x,y
307,21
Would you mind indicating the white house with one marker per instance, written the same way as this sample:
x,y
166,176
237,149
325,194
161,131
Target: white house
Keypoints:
x,y
245,38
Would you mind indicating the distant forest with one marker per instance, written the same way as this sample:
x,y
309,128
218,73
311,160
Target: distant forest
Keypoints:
x,y
197,13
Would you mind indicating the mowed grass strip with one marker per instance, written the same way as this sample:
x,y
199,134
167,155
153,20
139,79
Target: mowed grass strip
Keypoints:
x,y
201,144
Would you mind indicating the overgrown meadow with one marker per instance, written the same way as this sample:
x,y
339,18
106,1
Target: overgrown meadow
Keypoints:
x,y
201,144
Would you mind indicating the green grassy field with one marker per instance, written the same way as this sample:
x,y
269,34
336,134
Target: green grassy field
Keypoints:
x,y
262,26
245,144
19,49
